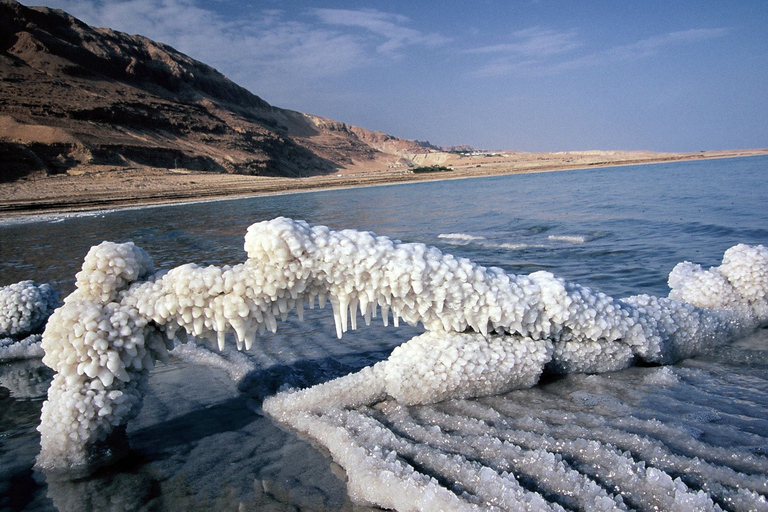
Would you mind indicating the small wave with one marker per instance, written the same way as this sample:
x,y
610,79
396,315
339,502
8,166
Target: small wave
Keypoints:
x,y
574,239
56,218
519,246
460,236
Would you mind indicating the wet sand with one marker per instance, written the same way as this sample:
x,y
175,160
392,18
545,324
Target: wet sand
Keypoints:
x,y
94,188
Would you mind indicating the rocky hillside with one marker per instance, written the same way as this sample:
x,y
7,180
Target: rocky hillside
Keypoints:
x,y
75,97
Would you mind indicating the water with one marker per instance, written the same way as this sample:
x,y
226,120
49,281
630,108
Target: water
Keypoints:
x,y
201,442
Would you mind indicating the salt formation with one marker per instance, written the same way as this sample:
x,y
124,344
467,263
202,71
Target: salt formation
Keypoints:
x,y
416,373
488,332
27,348
102,351
24,309
235,364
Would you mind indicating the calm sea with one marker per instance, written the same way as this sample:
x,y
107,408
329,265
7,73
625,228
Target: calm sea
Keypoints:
x,y
200,441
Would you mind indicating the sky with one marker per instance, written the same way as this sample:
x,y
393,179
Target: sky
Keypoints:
x,y
525,75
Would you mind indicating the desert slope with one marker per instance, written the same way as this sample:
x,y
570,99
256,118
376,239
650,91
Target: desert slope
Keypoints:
x,y
75,96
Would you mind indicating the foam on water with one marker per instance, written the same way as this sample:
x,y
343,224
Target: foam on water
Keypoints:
x,y
520,246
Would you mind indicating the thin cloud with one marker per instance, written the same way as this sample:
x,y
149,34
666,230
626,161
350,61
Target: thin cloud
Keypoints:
x,y
654,44
387,26
537,52
265,47
534,43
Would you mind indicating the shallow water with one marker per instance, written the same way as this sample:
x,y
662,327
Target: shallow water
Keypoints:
x,y
201,441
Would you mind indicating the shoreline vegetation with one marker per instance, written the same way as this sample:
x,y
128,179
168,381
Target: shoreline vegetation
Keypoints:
x,y
101,187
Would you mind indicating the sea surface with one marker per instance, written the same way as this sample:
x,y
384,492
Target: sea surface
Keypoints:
x,y
202,442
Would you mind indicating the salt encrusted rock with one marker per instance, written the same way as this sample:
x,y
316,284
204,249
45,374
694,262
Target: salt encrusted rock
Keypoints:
x,y
102,351
25,307
437,366
489,331
108,268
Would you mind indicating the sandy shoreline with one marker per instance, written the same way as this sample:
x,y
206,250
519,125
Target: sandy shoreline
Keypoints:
x,y
101,189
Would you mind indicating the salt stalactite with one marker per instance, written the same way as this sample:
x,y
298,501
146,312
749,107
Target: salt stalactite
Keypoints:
x,y
488,332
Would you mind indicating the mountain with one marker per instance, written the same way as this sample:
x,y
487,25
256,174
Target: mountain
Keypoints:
x,y
75,97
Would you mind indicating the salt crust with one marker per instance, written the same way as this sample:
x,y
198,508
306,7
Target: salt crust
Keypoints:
x,y
234,363
488,332
30,347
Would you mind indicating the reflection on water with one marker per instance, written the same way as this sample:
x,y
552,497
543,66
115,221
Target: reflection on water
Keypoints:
x,y
201,442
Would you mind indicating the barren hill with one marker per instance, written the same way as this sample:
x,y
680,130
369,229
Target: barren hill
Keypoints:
x,y
74,97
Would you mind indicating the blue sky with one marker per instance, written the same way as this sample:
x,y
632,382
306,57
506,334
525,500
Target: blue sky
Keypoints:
x,y
539,75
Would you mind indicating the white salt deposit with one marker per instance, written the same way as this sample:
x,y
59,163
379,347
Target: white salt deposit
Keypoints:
x,y
437,366
101,351
489,332
24,308
519,246
234,363
28,348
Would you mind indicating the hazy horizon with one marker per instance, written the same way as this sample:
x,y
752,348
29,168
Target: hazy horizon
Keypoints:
x,y
528,76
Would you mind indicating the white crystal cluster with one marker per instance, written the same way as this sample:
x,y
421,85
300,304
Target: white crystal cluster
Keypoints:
x,y
24,309
30,347
543,450
101,350
437,366
740,283
489,332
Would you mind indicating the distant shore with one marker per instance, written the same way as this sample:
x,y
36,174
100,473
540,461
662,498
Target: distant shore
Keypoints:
x,y
102,188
